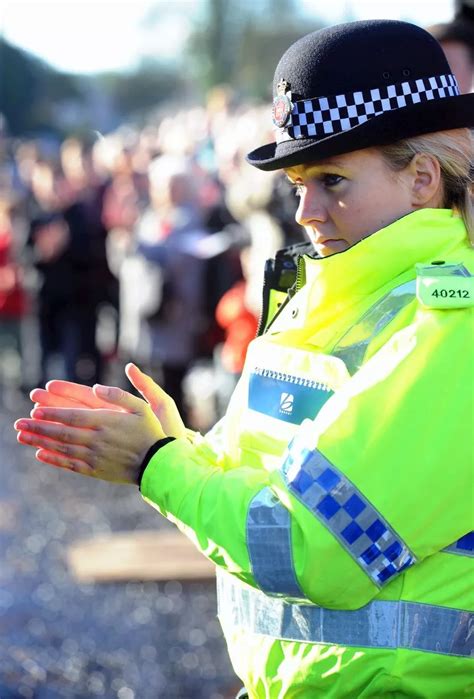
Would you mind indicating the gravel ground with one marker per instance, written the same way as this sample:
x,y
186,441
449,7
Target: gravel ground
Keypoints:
x,y
62,639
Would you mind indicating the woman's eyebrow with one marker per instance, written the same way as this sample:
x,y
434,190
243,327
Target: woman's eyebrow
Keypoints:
x,y
325,164
316,169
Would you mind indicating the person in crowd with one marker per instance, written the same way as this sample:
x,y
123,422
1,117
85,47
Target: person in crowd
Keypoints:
x,y
162,277
457,39
239,320
126,192
82,189
65,253
334,497
49,241
13,295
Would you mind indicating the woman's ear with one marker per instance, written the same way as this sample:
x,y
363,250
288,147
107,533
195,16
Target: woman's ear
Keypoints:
x,y
425,181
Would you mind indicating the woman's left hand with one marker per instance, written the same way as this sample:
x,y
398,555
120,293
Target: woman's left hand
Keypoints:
x,y
102,443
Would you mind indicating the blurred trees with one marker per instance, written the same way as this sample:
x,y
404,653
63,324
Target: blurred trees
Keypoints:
x,y
30,90
146,87
36,100
233,43
240,43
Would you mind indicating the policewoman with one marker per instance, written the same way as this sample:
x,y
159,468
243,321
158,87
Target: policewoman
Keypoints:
x,y
335,497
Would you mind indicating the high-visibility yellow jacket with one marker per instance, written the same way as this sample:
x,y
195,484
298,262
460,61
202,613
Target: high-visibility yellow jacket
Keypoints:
x,y
336,496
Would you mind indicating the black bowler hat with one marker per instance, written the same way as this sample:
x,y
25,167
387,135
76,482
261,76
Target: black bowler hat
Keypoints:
x,y
358,85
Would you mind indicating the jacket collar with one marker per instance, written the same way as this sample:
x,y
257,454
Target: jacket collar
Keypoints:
x,y
339,288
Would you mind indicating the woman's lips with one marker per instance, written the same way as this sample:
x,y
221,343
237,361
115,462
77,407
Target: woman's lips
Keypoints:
x,y
319,240
326,241
325,244
330,244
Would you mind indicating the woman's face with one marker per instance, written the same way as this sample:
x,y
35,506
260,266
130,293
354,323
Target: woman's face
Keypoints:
x,y
348,197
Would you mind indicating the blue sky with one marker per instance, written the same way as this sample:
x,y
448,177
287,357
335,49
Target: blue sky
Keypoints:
x,y
97,35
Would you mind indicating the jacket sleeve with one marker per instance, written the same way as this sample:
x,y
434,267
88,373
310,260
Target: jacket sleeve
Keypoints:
x,y
379,481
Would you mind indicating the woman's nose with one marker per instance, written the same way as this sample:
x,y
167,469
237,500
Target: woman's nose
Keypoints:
x,y
311,207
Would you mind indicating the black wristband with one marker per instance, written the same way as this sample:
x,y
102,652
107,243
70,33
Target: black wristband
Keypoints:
x,y
151,452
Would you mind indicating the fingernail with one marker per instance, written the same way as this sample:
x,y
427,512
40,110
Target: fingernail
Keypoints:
x,y
38,414
101,390
21,425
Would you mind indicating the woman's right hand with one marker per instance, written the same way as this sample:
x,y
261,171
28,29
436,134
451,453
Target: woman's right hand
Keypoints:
x,y
66,394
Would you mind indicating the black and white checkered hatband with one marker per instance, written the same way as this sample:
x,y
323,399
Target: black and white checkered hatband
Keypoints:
x,y
324,116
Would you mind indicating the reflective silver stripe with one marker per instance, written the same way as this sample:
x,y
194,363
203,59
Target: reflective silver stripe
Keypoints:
x,y
269,546
463,546
380,624
336,502
351,348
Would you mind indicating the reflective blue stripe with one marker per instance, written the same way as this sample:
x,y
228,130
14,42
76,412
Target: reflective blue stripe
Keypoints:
x,y
380,624
284,396
352,347
341,507
269,546
463,546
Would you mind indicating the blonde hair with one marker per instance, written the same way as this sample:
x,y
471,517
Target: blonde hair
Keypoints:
x,y
454,151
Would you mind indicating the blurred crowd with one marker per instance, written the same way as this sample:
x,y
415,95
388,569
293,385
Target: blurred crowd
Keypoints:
x,y
147,245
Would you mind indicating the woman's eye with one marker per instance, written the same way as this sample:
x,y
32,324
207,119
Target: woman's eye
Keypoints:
x,y
331,180
327,180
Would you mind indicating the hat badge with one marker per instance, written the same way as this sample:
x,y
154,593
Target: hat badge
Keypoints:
x,y
282,105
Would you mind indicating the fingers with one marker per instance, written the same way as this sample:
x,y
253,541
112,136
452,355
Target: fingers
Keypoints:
x,y
67,463
75,452
120,398
74,417
58,445
53,430
75,392
66,394
43,398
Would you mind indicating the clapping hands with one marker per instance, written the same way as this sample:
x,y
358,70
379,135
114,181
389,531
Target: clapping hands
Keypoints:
x,y
102,432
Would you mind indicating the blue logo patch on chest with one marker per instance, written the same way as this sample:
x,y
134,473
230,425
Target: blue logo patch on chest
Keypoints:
x,y
286,397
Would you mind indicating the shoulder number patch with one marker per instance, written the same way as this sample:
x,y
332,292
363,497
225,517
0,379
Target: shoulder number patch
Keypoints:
x,y
444,286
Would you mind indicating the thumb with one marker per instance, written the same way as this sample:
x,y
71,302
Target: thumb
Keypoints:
x,y
162,405
151,392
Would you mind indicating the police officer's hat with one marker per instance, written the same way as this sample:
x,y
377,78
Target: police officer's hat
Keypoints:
x,y
358,85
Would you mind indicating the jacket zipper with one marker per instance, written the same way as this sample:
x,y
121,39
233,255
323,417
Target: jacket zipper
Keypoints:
x,y
300,274
265,297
